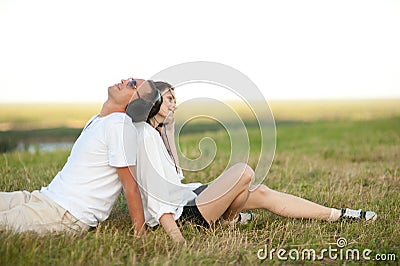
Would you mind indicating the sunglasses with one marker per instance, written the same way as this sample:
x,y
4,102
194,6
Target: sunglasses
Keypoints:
x,y
132,83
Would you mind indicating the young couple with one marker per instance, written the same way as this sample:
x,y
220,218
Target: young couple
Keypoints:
x,y
111,150
165,199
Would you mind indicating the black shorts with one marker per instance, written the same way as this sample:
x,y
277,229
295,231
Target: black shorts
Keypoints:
x,y
191,213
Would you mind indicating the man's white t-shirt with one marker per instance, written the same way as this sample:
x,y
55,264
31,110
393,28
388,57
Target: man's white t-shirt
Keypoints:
x,y
88,185
160,184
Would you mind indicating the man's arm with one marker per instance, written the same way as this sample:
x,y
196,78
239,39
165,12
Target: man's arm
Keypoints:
x,y
132,195
167,221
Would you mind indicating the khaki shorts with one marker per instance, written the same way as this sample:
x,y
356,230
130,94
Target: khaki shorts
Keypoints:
x,y
23,211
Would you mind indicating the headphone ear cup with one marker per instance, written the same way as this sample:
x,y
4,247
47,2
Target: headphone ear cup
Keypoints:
x,y
138,110
156,106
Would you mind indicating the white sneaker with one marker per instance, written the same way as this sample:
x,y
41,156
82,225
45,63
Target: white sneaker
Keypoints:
x,y
357,215
242,218
245,217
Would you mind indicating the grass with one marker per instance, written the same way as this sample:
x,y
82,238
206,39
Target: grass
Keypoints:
x,y
339,163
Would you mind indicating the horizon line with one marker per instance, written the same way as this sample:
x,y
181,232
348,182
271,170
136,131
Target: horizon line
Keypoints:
x,y
226,100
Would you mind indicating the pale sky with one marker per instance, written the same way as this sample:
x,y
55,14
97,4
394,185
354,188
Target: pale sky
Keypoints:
x,y
72,50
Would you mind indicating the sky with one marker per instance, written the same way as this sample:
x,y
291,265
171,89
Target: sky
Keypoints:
x,y
71,51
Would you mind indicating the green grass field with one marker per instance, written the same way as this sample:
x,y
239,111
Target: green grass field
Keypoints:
x,y
342,160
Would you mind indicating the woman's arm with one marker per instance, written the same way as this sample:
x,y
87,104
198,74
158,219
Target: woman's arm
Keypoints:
x,y
160,184
167,221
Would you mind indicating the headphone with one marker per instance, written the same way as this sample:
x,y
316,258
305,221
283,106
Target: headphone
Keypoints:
x,y
156,105
141,110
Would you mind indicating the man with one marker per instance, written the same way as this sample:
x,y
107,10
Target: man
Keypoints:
x,y
101,163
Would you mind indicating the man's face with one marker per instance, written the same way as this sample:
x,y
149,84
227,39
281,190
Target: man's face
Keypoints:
x,y
125,91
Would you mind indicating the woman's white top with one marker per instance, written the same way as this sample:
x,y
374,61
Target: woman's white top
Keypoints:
x,y
160,184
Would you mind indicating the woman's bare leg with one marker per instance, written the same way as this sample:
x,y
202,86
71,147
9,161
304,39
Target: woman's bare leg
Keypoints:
x,y
286,205
227,194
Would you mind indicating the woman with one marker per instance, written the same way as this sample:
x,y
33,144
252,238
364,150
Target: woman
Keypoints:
x,y
165,199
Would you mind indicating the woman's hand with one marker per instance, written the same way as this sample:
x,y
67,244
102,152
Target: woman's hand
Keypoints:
x,y
176,236
171,228
167,134
169,121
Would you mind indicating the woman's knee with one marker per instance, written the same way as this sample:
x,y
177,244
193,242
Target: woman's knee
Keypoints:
x,y
262,190
247,173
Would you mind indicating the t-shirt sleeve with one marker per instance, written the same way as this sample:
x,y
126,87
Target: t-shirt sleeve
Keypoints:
x,y
122,143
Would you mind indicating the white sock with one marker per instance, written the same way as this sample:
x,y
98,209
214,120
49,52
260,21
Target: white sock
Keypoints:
x,y
335,214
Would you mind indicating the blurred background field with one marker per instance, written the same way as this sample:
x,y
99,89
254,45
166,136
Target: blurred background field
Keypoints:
x,y
23,125
35,115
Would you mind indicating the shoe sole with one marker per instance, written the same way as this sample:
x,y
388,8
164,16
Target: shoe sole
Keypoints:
x,y
373,218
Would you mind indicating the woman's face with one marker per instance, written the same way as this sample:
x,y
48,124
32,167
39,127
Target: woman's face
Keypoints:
x,y
169,103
